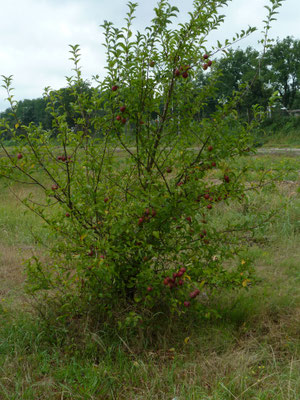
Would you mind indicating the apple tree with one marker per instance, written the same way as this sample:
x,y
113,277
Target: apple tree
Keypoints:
x,y
134,190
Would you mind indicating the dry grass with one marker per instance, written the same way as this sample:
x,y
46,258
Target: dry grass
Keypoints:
x,y
12,271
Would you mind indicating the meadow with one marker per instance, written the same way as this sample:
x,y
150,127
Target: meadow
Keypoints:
x,y
251,352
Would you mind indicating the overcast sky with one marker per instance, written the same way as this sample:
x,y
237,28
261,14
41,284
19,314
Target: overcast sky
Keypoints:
x,y
35,34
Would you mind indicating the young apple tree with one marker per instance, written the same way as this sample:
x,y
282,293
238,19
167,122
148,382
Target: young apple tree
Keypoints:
x,y
134,194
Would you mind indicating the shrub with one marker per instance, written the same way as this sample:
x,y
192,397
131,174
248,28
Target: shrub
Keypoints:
x,y
128,192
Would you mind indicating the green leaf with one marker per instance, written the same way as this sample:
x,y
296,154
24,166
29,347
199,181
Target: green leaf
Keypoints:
x,y
156,234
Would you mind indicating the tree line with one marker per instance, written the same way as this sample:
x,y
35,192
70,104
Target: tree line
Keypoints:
x,y
277,71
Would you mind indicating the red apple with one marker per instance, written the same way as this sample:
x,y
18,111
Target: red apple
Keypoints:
x,y
210,148
213,164
183,269
205,66
106,199
169,170
122,109
205,56
20,156
67,214
209,63
185,74
149,289
140,221
209,206
124,121
189,219
177,72
114,88
118,117
206,196
186,304
226,178
54,187
194,294
166,281
180,282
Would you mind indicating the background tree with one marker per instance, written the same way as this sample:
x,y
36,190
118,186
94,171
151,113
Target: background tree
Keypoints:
x,y
34,111
282,69
237,67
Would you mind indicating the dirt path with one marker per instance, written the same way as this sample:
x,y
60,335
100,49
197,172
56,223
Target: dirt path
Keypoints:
x,y
277,150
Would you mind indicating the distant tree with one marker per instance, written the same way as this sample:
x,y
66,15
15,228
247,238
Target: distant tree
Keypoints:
x,y
34,111
282,63
37,111
63,105
237,67
242,66
29,111
6,115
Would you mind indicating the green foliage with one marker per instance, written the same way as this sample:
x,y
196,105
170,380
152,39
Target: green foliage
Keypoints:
x,y
36,111
132,205
282,69
238,67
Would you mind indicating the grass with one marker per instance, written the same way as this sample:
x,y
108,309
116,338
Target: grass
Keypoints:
x,y
281,132
251,353
289,140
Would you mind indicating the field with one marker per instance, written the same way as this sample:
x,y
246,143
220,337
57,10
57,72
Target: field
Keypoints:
x,y
251,352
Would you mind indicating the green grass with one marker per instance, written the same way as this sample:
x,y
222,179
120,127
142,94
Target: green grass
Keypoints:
x,y
251,353
283,137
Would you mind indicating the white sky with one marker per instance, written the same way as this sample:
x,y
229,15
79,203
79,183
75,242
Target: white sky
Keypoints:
x,y
35,34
